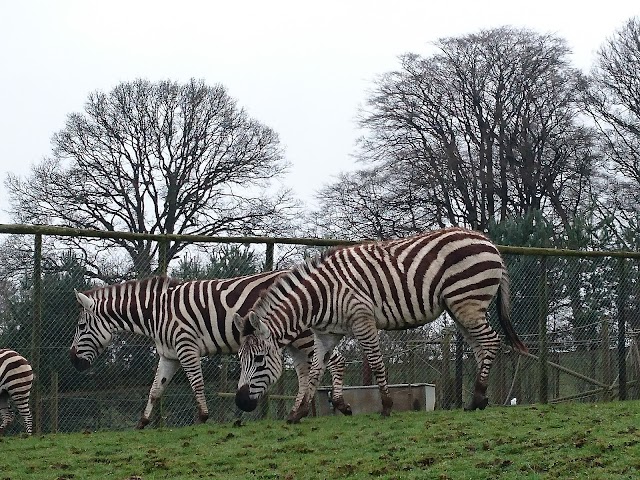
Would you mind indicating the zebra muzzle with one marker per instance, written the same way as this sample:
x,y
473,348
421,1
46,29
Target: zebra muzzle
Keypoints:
x,y
79,363
244,400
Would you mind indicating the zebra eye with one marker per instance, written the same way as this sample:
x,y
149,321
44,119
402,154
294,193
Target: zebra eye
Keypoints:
x,y
259,358
82,326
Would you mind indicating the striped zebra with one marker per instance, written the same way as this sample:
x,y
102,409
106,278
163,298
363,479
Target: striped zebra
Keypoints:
x,y
390,285
186,321
16,378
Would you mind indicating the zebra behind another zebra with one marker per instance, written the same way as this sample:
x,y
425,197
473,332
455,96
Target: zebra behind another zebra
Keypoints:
x,y
16,378
186,320
390,285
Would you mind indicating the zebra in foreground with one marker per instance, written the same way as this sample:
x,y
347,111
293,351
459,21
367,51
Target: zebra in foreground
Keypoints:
x,y
390,285
16,378
186,320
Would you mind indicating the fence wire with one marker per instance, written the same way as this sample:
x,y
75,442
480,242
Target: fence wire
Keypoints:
x,y
579,316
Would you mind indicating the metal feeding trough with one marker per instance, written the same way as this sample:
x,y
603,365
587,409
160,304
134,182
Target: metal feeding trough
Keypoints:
x,y
366,398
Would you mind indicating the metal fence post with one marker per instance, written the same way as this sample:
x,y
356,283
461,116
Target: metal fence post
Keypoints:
x,y
163,266
268,261
459,365
606,357
36,332
445,390
55,402
268,266
623,298
278,388
163,256
542,332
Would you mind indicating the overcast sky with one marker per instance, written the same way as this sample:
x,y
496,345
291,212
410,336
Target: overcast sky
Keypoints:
x,y
300,67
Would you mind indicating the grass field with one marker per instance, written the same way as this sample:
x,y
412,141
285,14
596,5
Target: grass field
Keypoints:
x,y
572,441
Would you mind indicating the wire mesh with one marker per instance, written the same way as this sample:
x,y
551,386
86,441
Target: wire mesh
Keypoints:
x,y
579,316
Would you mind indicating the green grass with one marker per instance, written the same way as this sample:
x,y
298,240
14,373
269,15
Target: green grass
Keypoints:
x,y
572,441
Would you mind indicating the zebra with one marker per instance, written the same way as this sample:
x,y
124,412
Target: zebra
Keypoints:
x,y
186,320
16,378
387,285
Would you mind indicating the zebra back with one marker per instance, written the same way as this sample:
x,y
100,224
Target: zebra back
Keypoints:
x,y
206,308
403,283
16,374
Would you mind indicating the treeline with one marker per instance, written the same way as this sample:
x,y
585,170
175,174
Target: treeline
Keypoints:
x,y
491,128
499,127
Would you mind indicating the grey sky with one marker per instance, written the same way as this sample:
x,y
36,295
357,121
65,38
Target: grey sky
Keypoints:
x,y
301,67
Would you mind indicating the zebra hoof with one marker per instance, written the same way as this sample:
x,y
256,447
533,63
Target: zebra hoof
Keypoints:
x,y
201,418
477,404
341,406
294,417
143,422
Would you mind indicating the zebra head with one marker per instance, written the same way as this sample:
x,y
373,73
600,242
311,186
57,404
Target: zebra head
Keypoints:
x,y
260,361
92,335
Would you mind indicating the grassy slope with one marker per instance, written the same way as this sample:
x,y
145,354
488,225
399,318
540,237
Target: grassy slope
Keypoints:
x,y
577,441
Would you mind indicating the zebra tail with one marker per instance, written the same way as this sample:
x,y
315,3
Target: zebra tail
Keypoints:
x,y
504,315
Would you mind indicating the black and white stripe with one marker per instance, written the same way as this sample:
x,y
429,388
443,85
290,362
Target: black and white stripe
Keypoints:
x,y
389,285
186,321
16,378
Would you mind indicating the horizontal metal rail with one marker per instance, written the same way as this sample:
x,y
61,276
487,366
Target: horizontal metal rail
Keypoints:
x,y
78,232
319,242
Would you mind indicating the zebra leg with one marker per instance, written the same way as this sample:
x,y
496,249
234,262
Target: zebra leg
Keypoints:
x,y
164,373
21,401
6,416
192,366
366,333
301,363
323,345
336,367
485,344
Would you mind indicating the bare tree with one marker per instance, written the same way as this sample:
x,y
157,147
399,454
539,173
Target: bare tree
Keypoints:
x,y
374,203
162,158
612,95
483,130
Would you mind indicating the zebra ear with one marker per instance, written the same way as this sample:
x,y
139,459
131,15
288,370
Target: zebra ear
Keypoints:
x,y
86,302
238,321
258,325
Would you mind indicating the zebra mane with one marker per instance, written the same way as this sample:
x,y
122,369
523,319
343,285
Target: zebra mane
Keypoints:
x,y
160,281
270,296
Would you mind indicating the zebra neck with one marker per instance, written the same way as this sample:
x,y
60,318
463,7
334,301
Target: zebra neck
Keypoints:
x,y
133,306
129,318
290,309
288,321
283,325
126,321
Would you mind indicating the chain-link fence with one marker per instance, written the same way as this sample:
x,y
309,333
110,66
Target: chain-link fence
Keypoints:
x,y
579,314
